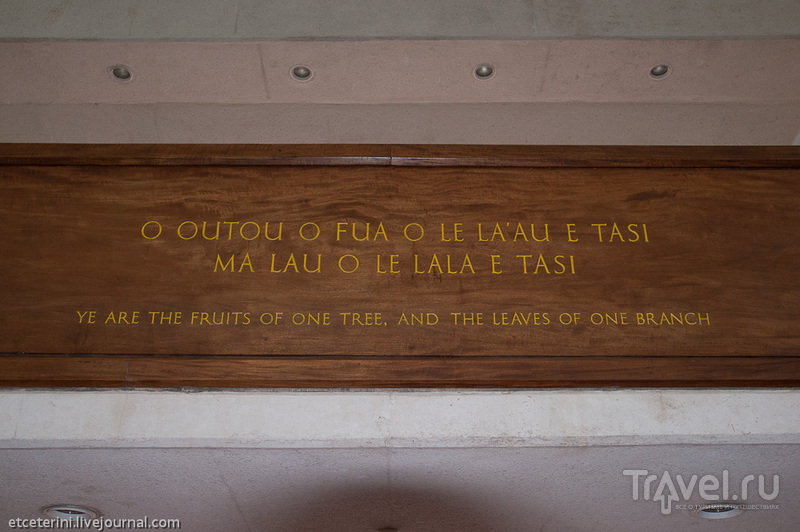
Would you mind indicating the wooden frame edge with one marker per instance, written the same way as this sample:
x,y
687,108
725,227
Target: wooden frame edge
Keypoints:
x,y
119,371
399,155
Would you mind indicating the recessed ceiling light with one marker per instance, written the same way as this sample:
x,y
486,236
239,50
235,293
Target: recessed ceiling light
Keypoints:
x,y
484,71
70,512
660,71
720,510
120,73
301,73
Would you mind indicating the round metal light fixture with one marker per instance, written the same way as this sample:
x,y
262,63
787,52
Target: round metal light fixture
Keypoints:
x,y
301,73
660,71
120,73
70,512
719,510
484,71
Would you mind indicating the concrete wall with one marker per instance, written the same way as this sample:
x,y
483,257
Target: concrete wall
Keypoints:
x,y
408,19
542,92
734,81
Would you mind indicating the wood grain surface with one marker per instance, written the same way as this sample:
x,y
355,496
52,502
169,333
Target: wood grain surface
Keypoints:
x,y
331,266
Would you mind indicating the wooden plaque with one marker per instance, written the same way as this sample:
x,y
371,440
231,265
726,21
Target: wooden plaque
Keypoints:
x,y
332,266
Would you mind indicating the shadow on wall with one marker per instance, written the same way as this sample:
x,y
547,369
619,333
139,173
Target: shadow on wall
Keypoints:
x,y
371,508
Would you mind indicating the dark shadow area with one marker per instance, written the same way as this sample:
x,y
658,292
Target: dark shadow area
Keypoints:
x,y
369,508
